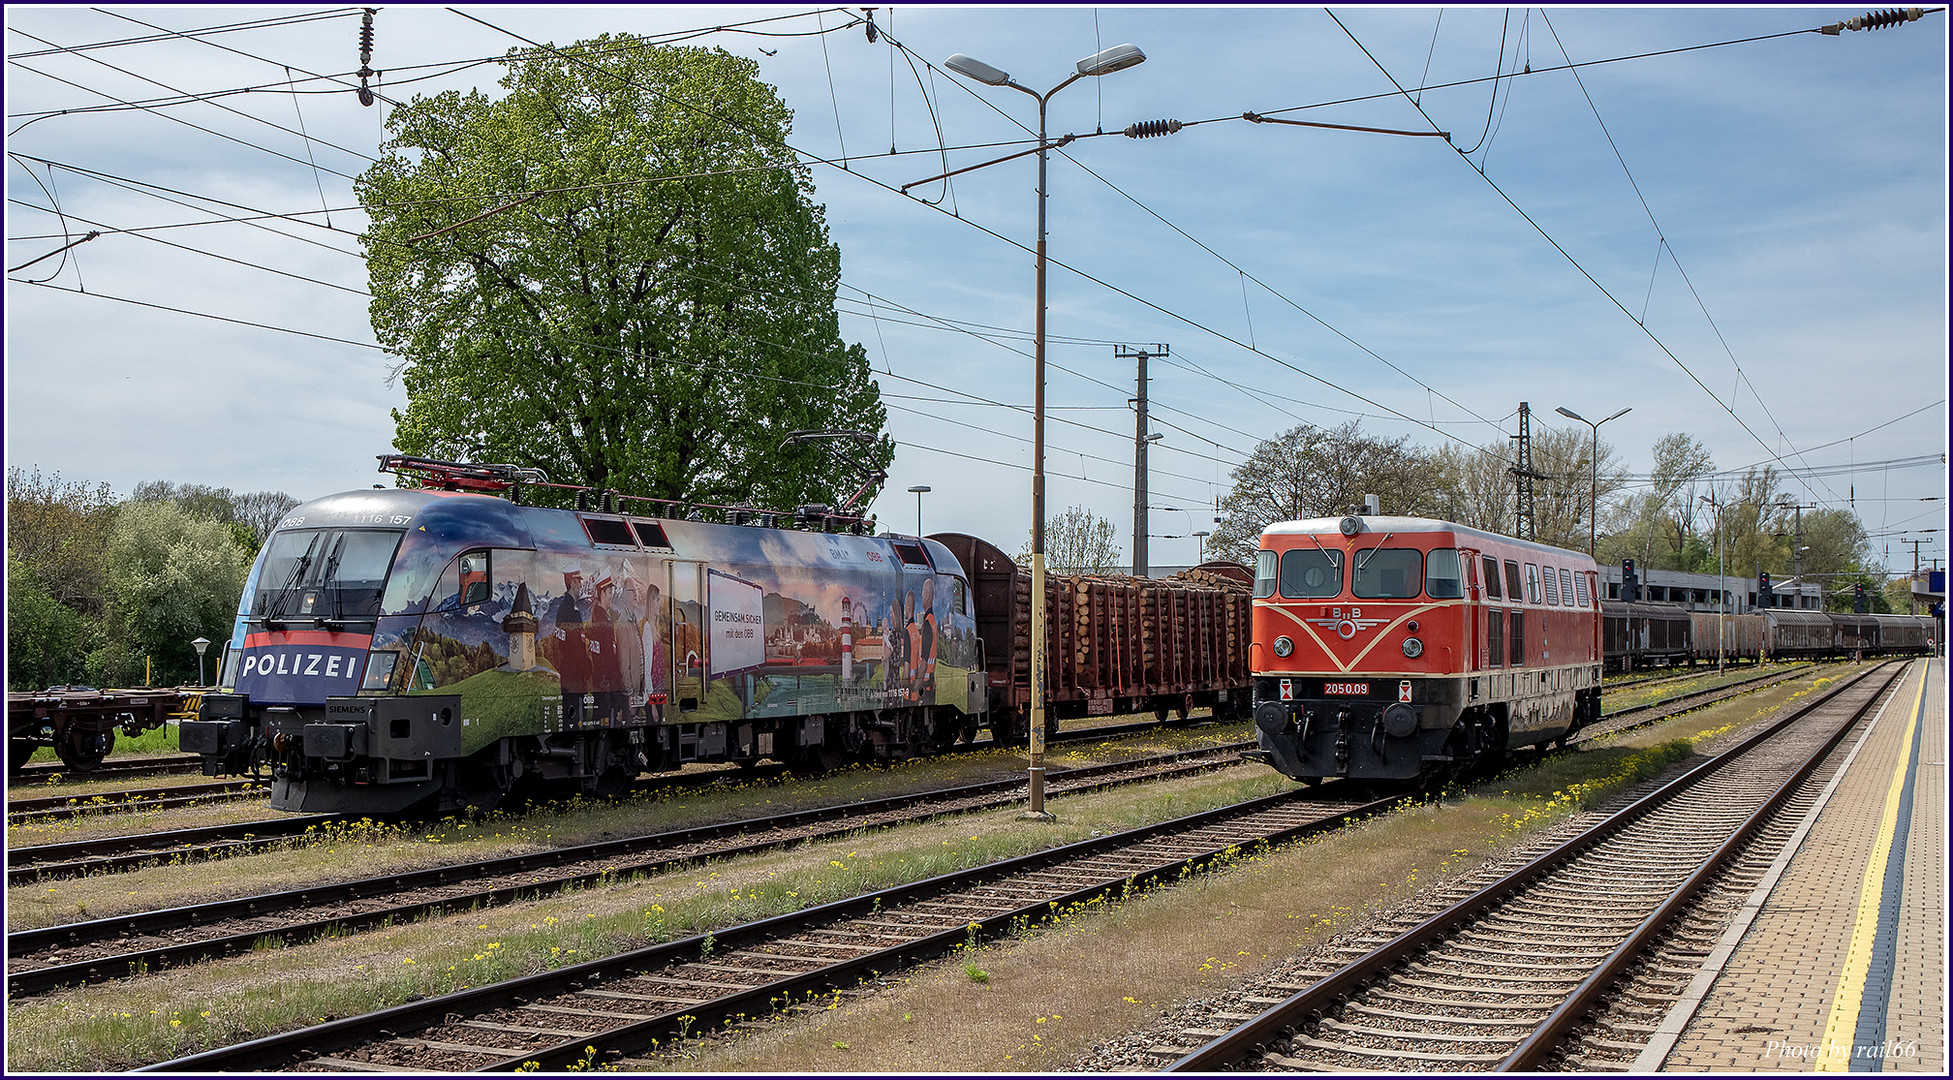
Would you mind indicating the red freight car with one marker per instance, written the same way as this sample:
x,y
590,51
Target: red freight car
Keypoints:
x,y
1113,644
1401,647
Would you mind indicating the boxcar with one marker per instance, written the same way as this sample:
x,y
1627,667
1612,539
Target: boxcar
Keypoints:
x,y
1741,636
1645,634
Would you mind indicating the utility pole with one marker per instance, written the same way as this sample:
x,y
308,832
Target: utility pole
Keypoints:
x,y
1797,548
1525,474
1141,438
1912,605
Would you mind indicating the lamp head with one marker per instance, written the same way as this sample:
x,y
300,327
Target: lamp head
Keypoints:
x,y
971,67
1117,58
1564,411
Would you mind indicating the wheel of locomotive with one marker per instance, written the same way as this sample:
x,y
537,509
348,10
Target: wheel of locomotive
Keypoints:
x,y
83,751
1181,710
1159,713
613,781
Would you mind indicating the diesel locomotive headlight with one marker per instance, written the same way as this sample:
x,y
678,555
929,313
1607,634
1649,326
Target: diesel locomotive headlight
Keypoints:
x,y
1413,648
1283,646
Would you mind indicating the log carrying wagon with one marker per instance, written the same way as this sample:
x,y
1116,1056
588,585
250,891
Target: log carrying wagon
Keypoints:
x,y
1114,644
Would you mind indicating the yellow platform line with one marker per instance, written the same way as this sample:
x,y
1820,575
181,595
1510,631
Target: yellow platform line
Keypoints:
x,y
1835,1050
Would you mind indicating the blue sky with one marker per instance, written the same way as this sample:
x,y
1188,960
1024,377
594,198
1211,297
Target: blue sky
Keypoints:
x,y
1746,242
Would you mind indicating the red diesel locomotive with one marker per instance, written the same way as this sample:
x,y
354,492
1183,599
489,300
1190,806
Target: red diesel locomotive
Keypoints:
x,y
1404,648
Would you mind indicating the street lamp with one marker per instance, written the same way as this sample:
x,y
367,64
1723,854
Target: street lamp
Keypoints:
x,y
1593,491
918,490
1117,58
1201,536
200,644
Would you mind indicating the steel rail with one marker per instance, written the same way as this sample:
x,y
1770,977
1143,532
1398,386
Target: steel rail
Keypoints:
x,y
43,862
1533,1051
22,982
272,1052
1272,1023
22,811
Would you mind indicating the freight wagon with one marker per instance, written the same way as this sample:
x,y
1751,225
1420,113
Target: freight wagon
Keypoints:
x,y
1113,644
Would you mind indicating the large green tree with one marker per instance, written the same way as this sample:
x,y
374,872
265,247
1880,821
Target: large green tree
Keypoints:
x,y
614,272
173,577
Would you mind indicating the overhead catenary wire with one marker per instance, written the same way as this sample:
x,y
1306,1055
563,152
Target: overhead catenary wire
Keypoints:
x,y
1405,94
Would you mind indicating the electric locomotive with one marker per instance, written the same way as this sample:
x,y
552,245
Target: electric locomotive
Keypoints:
x,y
436,647
1408,648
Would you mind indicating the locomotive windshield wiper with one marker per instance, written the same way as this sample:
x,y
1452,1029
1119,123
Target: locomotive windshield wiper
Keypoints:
x,y
299,565
1373,551
329,580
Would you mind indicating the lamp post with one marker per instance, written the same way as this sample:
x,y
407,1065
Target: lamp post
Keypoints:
x,y
1200,537
200,644
1593,489
918,490
1117,58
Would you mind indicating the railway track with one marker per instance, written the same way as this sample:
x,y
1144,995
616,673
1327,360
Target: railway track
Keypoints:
x,y
63,807
1506,978
48,862
600,1011
97,951
41,774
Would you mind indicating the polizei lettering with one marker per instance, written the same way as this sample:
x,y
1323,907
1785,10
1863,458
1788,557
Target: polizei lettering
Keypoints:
x,y
301,662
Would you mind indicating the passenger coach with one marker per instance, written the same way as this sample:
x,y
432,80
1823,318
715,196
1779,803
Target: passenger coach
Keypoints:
x,y
1401,647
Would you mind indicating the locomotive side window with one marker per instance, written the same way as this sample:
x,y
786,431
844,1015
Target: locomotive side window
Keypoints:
x,y
1495,637
608,531
1552,586
911,554
651,534
465,583
1517,648
1389,574
1312,574
1532,582
1492,579
1512,582
1441,575
1264,574
1566,587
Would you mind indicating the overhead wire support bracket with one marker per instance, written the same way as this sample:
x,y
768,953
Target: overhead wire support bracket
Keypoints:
x,y
1257,118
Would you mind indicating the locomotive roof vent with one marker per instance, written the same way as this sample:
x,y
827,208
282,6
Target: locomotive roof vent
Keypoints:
x,y
1350,525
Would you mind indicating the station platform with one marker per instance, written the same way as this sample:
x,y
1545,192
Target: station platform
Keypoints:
x,y
1838,960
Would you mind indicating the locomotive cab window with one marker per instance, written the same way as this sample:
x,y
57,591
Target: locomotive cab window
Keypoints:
x,y
465,583
1442,580
1512,582
1265,562
1312,574
1532,582
324,574
1390,574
